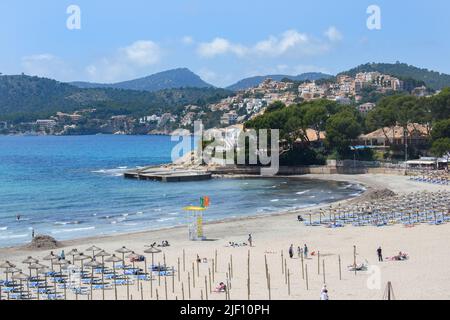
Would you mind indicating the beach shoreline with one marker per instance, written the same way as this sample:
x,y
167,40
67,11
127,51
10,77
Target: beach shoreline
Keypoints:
x,y
366,181
367,187
272,236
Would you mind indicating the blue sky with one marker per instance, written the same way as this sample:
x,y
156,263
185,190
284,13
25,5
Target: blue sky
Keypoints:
x,y
223,41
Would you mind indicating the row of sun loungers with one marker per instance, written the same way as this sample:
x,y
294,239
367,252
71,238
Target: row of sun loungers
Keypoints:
x,y
78,275
408,210
433,177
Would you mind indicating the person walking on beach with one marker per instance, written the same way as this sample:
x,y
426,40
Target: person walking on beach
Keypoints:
x,y
380,254
250,240
299,252
324,295
291,251
305,251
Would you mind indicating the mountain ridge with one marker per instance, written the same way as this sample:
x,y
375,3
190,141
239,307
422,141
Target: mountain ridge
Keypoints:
x,y
251,82
25,98
169,79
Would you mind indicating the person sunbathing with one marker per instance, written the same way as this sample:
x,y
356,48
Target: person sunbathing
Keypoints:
x,y
200,260
236,245
357,267
138,259
164,244
400,257
221,288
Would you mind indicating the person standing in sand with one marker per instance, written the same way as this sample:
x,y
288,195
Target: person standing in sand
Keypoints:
x,y
380,254
291,251
305,251
299,252
250,240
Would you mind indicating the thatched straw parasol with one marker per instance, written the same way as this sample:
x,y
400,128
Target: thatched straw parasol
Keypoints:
x,y
29,261
153,251
93,249
36,266
45,271
7,265
51,257
8,268
102,254
12,271
123,251
81,257
114,260
73,253
61,263
21,277
133,257
92,264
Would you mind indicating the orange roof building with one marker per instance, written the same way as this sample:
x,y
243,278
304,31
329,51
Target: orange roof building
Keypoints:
x,y
395,135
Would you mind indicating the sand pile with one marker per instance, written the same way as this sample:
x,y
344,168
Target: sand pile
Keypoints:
x,y
43,242
378,194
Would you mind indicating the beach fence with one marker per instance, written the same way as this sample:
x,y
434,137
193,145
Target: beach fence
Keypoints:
x,y
158,274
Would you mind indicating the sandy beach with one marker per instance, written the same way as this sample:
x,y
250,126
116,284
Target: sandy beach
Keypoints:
x,y
424,276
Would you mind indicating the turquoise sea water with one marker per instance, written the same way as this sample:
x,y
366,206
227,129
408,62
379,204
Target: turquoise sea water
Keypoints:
x,y
72,187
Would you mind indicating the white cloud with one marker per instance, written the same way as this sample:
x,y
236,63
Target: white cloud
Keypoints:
x,y
220,46
208,75
290,41
218,79
39,57
46,65
126,62
333,34
188,40
276,46
109,70
142,53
